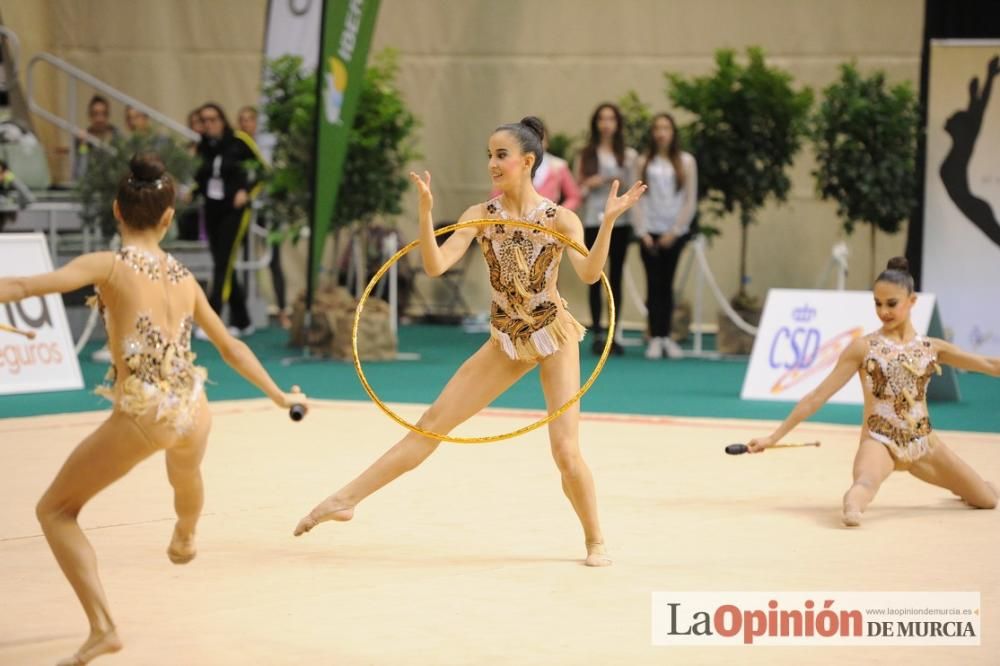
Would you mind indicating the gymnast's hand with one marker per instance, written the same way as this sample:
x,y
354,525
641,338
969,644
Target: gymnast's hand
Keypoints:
x,y
758,444
424,188
994,67
617,205
296,397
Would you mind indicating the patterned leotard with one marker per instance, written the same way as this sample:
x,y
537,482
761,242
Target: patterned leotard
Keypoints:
x,y
528,318
896,375
149,336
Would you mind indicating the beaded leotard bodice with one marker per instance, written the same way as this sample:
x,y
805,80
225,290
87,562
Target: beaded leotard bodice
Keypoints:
x,y
528,318
147,310
896,377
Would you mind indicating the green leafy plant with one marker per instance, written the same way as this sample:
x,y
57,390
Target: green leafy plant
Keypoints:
x,y
562,145
290,95
636,119
866,142
380,144
98,186
749,122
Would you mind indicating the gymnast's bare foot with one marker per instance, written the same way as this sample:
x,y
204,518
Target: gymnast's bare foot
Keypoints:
x,y
181,549
96,645
332,508
597,555
852,517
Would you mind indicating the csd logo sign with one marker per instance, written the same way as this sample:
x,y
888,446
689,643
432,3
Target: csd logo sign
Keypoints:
x,y
801,336
801,352
794,348
812,362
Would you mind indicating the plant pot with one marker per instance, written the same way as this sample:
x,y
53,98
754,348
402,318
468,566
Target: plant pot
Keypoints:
x,y
333,322
680,325
733,340
319,336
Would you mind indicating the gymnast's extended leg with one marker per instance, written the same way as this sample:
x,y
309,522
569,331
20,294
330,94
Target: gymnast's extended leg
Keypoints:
x,y
942,467
102,458
483,377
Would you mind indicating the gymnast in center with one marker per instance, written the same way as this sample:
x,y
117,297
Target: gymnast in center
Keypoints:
x,y
529,323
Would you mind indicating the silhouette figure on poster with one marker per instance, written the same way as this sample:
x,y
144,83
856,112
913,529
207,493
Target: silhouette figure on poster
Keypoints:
x,y
964,126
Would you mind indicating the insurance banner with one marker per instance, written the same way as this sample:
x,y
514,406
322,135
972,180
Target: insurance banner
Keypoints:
x,y
47,361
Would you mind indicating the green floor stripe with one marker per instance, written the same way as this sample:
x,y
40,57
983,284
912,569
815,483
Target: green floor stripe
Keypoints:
x,y
629,384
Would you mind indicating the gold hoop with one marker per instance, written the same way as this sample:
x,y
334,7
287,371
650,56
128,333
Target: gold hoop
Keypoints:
x,y
489,438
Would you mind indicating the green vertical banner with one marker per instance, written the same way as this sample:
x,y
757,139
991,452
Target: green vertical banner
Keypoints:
x,y
343,53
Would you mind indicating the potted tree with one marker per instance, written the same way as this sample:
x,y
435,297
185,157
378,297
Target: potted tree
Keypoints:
x,y
289,102
380,144
636,117
562,145
866,142
748,124
99,185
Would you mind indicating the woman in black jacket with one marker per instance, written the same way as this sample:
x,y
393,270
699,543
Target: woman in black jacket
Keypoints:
x,y
224,180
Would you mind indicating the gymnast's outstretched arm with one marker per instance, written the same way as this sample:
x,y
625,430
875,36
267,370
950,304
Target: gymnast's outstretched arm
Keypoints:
x,y
85,270
848,364
239,356
438,259
589,267
957,357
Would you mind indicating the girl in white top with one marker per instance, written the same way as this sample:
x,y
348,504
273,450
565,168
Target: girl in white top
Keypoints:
x,y
604,160
662,222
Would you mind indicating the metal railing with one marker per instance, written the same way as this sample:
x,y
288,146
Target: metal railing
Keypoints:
x,y
14,47
68,124
75,74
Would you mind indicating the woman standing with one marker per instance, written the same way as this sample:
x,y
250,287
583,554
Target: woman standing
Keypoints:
x,y
604,160
223,180
662,224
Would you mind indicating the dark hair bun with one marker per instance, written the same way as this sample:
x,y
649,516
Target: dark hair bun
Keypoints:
x,y
535,125
146,166
898,264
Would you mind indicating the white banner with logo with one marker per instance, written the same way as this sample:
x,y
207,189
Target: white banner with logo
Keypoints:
x,y
801,335
961,252
48,362
293,29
